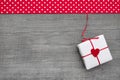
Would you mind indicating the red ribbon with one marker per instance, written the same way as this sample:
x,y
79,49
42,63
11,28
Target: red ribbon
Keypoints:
x,y
85,27
94,51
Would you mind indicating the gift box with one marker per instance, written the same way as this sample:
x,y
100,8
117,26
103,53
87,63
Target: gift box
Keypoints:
x,y
94,51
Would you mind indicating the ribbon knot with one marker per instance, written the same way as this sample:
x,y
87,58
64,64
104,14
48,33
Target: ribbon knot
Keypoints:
x,y
85,39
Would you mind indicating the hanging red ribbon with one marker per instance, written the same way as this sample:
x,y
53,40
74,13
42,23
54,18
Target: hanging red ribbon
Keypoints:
x,y
83,32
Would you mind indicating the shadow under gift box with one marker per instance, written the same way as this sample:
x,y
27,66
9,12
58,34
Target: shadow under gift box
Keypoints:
x,y
95,52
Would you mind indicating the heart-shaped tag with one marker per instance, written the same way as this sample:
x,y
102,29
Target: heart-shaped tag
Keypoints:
x,y
95,52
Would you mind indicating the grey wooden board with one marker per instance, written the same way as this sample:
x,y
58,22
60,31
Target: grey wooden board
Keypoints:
x,y
43,47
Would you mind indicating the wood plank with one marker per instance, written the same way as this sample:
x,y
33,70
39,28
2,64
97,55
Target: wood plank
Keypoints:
x,y
60,22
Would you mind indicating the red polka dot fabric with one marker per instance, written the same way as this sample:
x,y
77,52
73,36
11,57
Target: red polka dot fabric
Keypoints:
x,y
59,6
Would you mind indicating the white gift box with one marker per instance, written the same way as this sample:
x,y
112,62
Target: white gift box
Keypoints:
x,y
94,52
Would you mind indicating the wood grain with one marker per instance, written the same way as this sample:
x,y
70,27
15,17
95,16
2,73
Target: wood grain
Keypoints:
x,y
43,47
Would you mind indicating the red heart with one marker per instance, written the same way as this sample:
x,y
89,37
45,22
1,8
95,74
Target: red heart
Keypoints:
x,y
95,52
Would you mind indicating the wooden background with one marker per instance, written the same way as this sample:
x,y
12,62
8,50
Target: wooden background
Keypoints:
x,y
43,47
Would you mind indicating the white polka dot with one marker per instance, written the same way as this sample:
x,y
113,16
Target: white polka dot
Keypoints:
x,y
50,12
2,3
68,4
20,9
65,6
1,12
1,7
12,12
44,11
17,11
28,11
28,2
60,11
10,5
24,12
